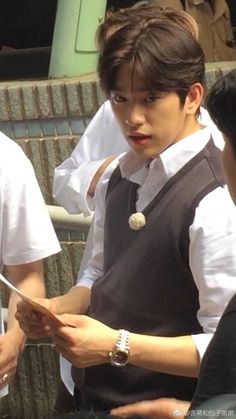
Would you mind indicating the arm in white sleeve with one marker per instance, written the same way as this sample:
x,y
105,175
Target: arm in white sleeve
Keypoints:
x,y
27,233
212,260
72,178
94,266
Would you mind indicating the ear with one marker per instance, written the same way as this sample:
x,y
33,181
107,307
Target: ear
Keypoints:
x,y
194,98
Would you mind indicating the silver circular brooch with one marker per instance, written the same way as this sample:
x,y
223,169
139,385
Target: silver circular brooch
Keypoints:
x,y
137,221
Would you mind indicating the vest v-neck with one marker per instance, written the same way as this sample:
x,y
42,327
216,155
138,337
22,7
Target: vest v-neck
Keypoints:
x,y
134,187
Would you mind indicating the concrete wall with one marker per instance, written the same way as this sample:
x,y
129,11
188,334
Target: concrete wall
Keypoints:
x,y
47,118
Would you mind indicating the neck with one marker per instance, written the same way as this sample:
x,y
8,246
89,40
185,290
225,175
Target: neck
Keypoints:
x,y
191,126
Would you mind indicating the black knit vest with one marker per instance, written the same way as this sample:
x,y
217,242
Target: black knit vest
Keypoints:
x,y
147,286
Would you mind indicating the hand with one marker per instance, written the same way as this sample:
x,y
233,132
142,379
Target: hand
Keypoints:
x,y
86,344
32,323
163,408
9,352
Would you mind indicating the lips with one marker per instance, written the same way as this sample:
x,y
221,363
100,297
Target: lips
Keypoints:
x,y
139,139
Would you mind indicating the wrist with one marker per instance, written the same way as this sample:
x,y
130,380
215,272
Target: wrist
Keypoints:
x,y
119,356
17,337
56,305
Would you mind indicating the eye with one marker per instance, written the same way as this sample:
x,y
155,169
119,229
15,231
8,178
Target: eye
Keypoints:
x,y
154,96
116,98
150,99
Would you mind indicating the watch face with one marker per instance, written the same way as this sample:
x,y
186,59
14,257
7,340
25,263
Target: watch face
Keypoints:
x,y
119,358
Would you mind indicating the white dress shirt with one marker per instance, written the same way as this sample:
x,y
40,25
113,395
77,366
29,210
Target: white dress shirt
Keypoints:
x,y
212,250
72,178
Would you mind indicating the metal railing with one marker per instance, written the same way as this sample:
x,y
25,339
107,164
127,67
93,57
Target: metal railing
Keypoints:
x,y
62,219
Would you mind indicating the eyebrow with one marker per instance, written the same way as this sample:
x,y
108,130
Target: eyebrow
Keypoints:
x,y
140,90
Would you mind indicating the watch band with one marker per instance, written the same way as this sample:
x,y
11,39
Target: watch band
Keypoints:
x,y
119,356
123,340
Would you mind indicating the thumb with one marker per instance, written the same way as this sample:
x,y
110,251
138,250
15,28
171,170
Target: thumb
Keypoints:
x,y
144,408
73,320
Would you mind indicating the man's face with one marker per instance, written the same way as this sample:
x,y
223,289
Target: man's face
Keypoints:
x,y
229,162
150,121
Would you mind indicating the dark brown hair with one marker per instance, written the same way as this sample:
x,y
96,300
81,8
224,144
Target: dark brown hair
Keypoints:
x,y
161,52
116,19
221,104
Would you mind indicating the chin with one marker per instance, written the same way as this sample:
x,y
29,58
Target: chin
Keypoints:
x,y
140,156
144,155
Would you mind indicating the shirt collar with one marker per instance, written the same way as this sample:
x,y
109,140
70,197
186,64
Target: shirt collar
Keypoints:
x,y
169,162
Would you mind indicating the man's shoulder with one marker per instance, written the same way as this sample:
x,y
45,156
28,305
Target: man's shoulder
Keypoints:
x,y
13,160
9,149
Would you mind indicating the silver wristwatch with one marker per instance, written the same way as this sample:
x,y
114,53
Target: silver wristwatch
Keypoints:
x,y
119,357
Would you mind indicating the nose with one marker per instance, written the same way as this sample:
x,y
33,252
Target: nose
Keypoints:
x,y
135,117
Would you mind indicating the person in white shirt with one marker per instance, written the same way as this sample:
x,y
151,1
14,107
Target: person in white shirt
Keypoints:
x,y
75,179
158,274
26,237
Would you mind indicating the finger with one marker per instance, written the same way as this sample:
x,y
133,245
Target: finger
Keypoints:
x,y
8,363
30,317
139,408
7,377
63,334
21,306
5,380
24,309
74,359
54,324
71,319
10,370
35,332
64,352
63,340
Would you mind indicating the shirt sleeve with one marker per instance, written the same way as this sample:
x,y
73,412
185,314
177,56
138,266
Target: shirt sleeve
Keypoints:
x,y
72,178
94,267
212,260
27,233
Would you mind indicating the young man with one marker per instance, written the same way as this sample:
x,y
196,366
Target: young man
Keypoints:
x,y
218,371
76,178
73,180
26,237
159,285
